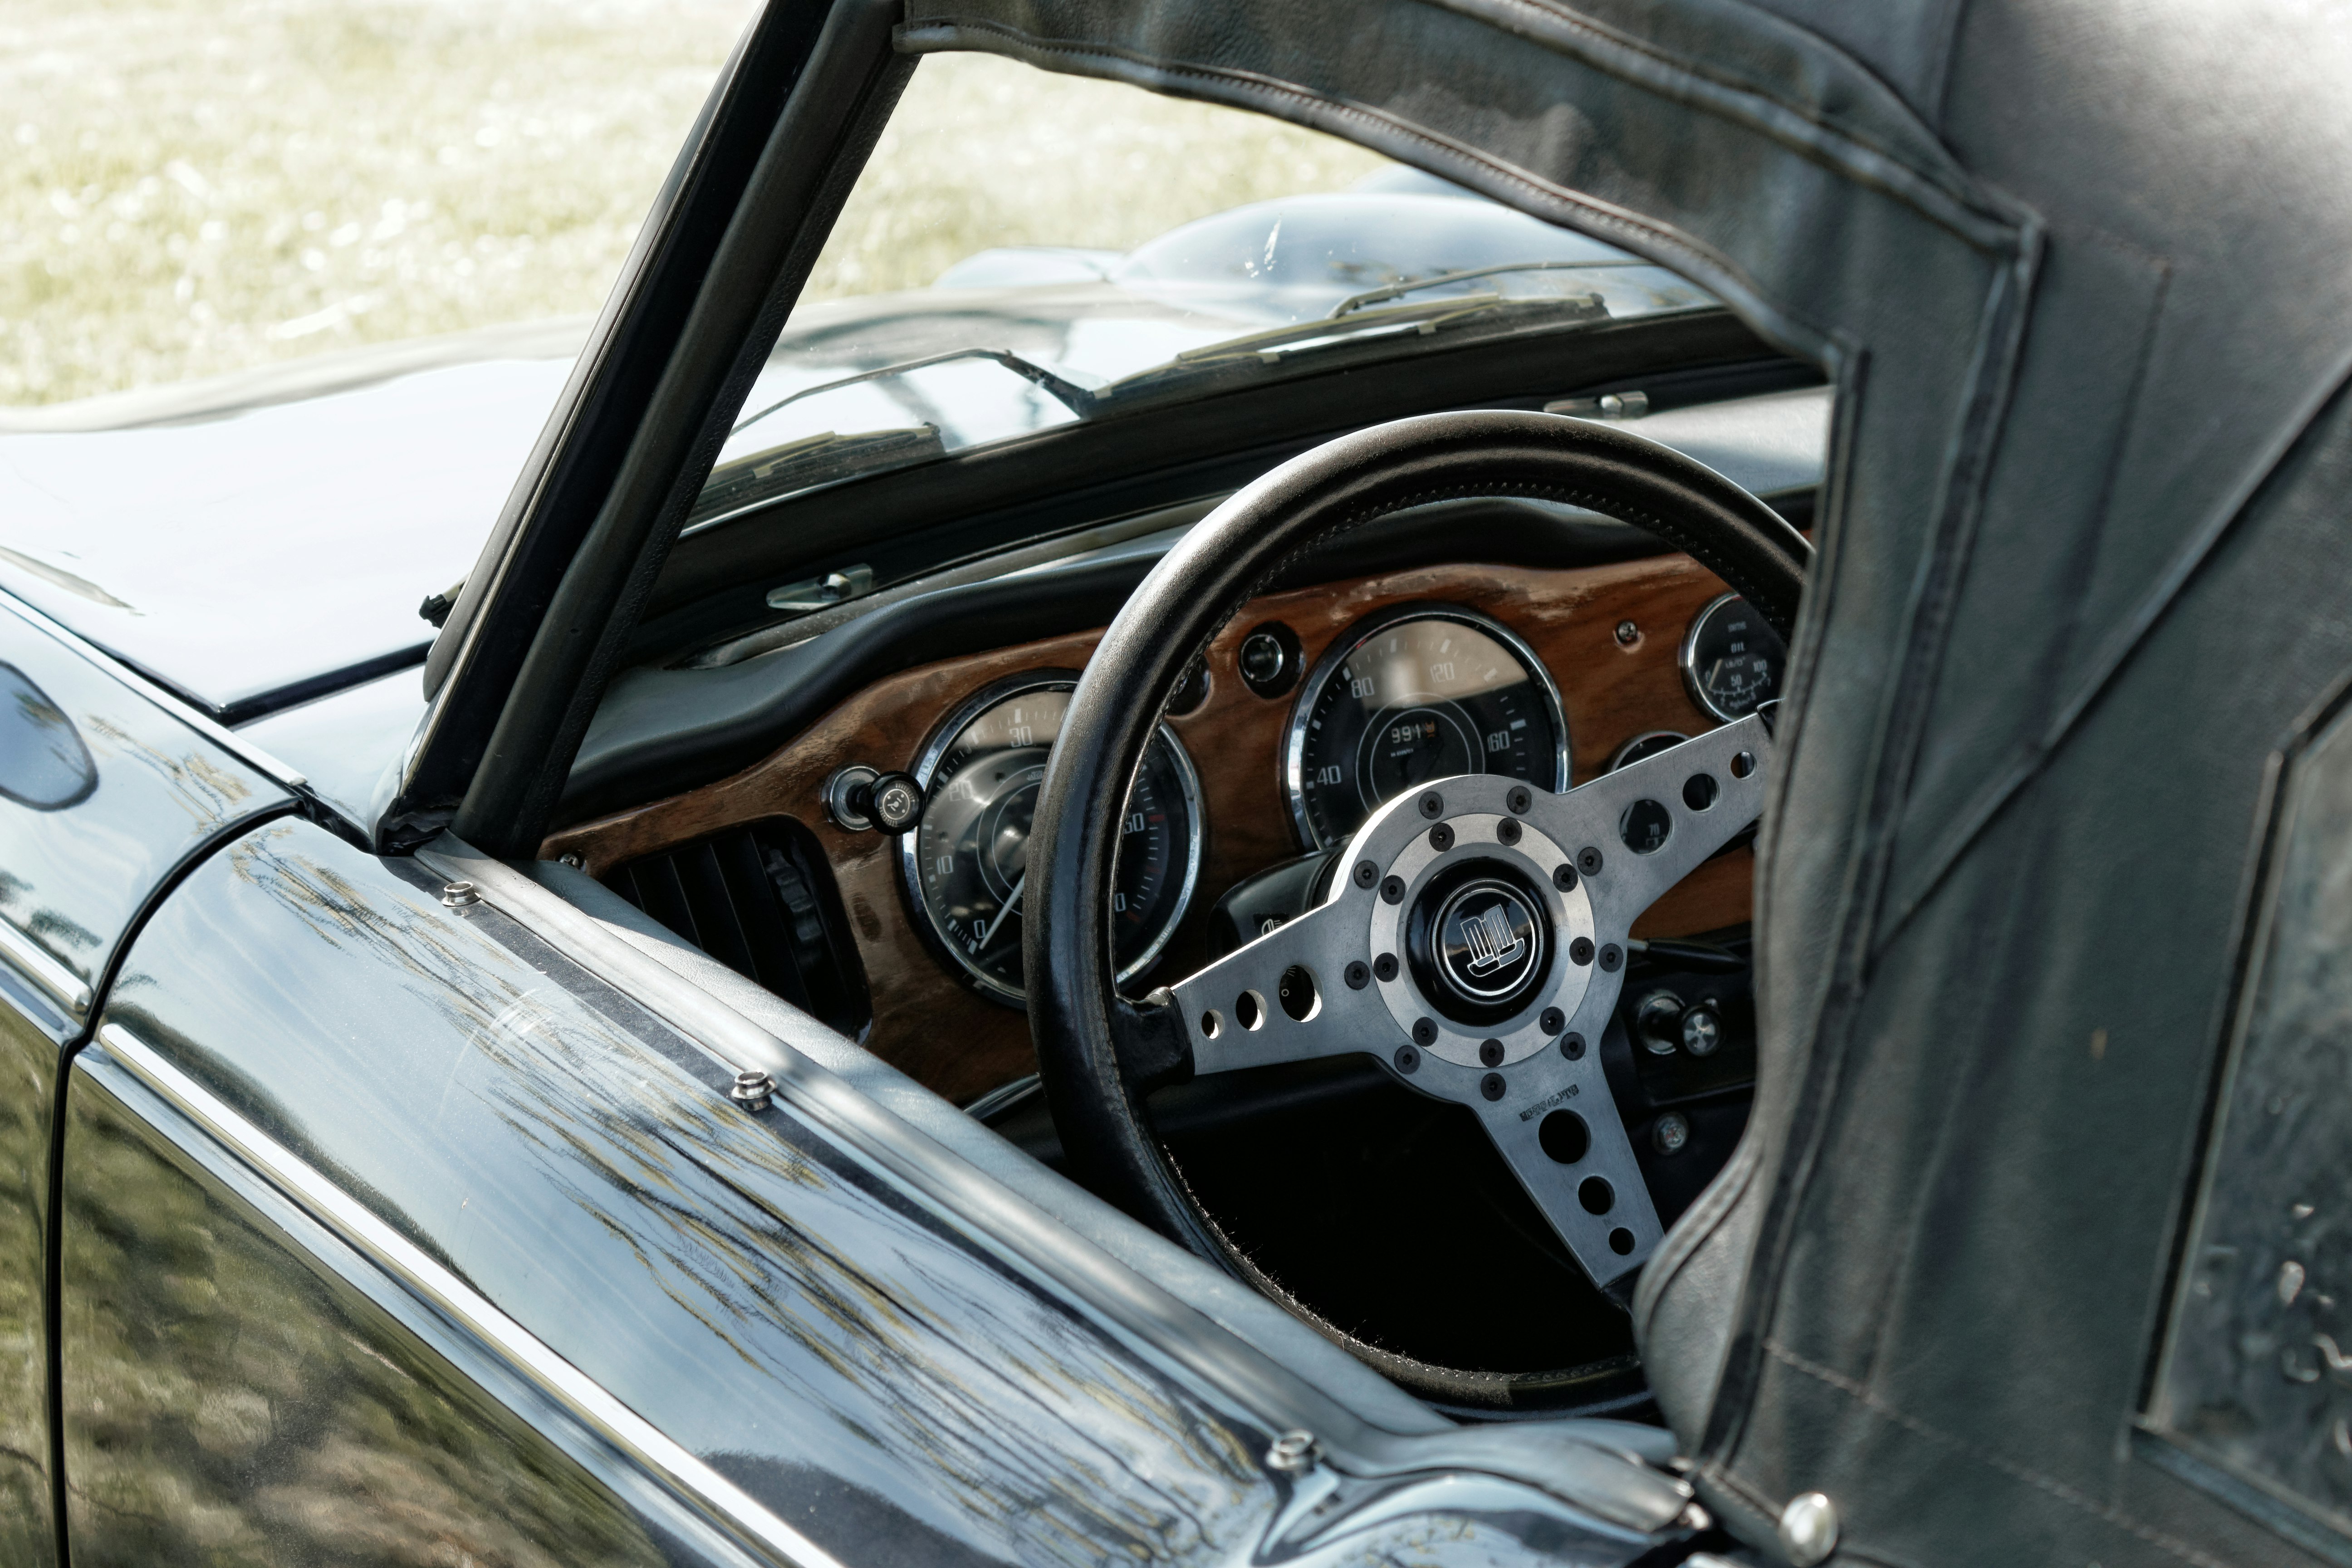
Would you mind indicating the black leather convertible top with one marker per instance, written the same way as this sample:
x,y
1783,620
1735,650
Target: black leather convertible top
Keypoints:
x,y
2079,268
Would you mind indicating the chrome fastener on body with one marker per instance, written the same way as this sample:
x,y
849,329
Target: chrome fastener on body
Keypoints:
x,y
1809,1529
1294,1452
752,1090
457,895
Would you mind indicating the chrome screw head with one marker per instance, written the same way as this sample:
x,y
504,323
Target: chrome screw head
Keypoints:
x,y
457,895
1809,1529
752,1090
1292,1453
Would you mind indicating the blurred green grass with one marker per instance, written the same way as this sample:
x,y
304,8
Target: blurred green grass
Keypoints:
x,y
189,188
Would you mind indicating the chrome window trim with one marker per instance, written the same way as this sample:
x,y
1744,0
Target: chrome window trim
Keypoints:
x,y
709,1493
53,979
1341,647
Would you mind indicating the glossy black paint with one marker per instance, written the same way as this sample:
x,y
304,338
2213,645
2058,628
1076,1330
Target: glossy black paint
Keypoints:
x,y
76,868
838,1345
732,1279
233,1393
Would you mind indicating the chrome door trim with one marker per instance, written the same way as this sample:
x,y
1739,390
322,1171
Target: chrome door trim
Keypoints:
x,y
709,1493
61,984
1568,1460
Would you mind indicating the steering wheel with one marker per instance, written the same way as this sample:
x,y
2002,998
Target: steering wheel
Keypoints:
x,y
1474,942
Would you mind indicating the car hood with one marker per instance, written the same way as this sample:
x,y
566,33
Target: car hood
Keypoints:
x,y
254,541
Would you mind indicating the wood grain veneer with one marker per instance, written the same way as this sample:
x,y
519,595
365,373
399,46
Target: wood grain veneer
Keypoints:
x,y
930,1025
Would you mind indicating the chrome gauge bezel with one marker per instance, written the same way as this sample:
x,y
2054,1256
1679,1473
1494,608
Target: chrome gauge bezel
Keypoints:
x,y
1343,648
1686,659
927,760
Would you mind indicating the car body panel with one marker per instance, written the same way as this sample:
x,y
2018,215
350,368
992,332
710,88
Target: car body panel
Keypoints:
x,y
836,1345
105,795
244,558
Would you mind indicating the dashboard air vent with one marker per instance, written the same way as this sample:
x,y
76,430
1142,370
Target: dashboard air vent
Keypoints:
x,y
761,900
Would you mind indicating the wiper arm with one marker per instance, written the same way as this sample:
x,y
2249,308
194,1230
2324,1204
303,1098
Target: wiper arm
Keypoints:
x,y
1415,285
1067,392
1423,318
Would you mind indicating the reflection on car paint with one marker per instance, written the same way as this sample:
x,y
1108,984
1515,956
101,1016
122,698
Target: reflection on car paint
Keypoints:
x,y
840,1351
227,1400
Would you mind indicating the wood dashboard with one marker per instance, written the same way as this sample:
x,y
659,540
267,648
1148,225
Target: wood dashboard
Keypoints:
x,y
929,1023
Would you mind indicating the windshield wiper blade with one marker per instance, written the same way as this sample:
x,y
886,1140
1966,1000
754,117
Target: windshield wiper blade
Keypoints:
x,y
1423,319
1415,285
1068,392
809,461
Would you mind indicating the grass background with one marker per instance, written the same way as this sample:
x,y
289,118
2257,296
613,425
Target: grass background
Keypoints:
x,y
189,187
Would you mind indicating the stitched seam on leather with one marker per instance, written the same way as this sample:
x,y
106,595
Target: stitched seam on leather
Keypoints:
x,y
1849,162
2072,1496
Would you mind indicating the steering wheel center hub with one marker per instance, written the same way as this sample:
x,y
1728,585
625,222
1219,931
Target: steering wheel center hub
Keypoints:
x,y
1479,941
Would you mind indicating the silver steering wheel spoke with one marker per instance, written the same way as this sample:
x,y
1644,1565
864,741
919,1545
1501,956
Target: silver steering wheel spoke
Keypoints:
x,y
1294,995
1475,943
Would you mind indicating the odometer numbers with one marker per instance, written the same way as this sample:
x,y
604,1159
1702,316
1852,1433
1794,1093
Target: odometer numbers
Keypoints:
x,y
1416,693
965,864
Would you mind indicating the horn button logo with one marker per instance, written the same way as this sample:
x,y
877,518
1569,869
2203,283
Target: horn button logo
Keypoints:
x,y
1480,943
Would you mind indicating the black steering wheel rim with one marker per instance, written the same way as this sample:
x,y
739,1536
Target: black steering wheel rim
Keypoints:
x,y
1098,1053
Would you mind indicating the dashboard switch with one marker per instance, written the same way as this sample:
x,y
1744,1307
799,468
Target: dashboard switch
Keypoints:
x,y
894,801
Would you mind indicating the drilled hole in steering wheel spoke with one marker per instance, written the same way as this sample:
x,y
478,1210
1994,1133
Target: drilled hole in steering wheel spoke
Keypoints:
x,y
1249,1010
1297,994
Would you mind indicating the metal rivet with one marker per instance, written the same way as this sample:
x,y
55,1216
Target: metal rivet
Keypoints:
x,y
1424,1033
1366,873
1809,1529
457,895
1518,801
1433,805
1490,1053
1580,951
1572,1046
1407,1060
1553,1021
1670,1133
752,1090
1359,975
1441,837
1507,831
1628,634
1588,860
1384,967
1393,889
1292,1452
1563,877
1612,955
1491,1086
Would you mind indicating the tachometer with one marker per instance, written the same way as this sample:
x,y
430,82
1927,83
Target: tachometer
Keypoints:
x,y
1732,659
1414,693
964,865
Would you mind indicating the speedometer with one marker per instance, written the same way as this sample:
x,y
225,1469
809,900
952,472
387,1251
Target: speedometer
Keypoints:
x,y
965,864
1414,693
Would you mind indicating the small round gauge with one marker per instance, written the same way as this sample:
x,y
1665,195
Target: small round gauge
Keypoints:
x,y
1732,659
964,863
1414,693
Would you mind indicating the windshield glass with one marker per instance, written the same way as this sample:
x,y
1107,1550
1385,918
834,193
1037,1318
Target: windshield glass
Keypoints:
x,y
1025,250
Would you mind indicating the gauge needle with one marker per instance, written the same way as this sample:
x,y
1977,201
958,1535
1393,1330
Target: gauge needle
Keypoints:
x,y
1012,904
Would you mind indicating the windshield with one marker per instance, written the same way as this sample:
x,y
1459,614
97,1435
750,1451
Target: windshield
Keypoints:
x,y
1027,250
